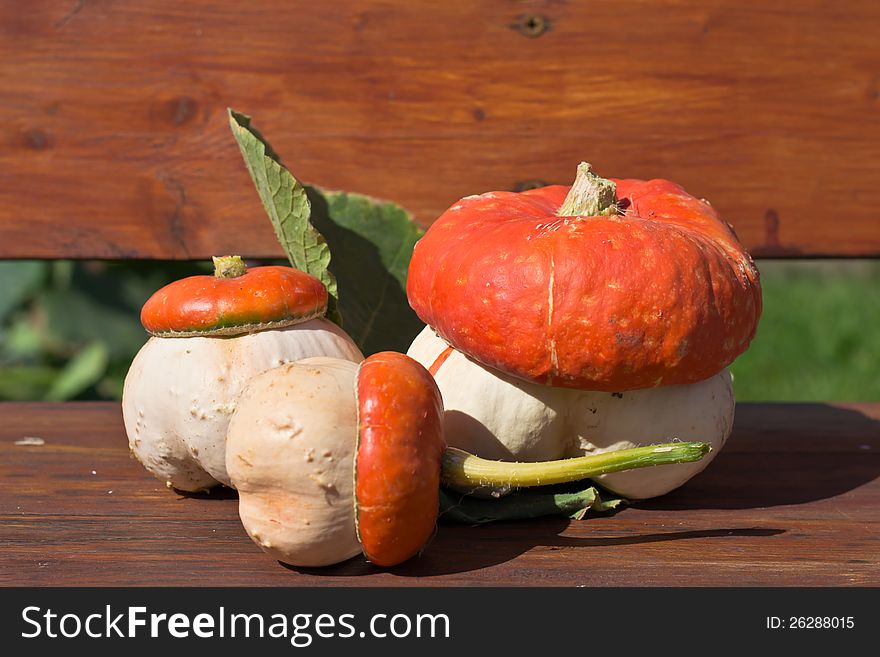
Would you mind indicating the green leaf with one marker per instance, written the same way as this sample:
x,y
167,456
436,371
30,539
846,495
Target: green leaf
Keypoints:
x,y
534,503
287,205
82,371
18,279
372,242
605,503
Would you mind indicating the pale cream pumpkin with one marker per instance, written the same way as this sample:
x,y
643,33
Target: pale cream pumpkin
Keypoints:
x,y
211,334
499,416
180,393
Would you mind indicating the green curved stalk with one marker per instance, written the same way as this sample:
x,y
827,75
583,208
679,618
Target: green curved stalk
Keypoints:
x,y
468,473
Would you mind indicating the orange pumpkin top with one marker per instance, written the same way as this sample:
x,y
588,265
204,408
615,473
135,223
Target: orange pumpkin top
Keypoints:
x,y
234,301
397,465
657,292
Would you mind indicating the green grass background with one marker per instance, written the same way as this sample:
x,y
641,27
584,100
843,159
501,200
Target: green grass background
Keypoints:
x,y
68,330
819,336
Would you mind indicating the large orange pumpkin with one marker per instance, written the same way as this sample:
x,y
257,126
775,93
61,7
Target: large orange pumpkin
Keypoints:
x,y
630,288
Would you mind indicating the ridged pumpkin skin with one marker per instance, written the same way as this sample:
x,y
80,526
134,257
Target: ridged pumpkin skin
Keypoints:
x,y
400,445
290,453
264,297
179,394
662,294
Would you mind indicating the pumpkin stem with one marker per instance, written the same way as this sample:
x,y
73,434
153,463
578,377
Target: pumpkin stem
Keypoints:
x,y
467,473
590,196
229,267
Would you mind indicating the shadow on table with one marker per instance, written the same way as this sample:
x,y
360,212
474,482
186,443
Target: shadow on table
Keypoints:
x,y
784,454
217,493
779,454
454,552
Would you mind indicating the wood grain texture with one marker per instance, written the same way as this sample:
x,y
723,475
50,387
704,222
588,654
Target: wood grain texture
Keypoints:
x,y
116,144
794,499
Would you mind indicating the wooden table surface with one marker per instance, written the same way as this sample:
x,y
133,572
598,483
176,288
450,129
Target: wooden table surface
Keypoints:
x,y
794,499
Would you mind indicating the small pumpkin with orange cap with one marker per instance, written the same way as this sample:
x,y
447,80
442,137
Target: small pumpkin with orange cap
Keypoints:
x,y
332,459
210,335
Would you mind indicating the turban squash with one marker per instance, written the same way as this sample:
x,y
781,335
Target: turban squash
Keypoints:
x,y
570,320
210,335
331,459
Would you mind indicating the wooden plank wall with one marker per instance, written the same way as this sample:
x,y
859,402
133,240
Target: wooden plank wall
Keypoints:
x,y
115,142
